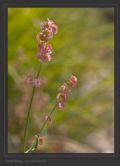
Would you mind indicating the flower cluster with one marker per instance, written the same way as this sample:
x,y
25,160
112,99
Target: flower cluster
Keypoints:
x,y
34,81
64,91
48,30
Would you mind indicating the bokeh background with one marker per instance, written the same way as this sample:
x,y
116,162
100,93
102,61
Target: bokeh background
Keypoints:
x,y
84,46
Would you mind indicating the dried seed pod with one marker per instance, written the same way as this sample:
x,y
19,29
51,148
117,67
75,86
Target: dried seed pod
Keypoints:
x,y
64,91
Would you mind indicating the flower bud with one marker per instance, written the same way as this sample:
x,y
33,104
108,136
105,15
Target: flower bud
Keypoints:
x,y
60,105
73,81
61,96
63,88
41,37
47,118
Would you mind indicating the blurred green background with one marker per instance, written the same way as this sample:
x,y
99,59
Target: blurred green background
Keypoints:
x,y
84,46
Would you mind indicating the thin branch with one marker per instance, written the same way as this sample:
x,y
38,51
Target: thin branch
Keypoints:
x,y
35,143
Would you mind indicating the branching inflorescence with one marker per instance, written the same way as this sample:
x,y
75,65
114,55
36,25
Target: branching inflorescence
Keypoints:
x,y
44,54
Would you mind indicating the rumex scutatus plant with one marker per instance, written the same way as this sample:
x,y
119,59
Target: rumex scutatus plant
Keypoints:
x,y
44,55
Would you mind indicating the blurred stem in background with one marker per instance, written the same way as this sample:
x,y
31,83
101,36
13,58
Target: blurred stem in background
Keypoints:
x,y
29,109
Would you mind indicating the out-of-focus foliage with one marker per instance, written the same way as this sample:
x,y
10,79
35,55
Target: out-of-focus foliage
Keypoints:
x,y
84,46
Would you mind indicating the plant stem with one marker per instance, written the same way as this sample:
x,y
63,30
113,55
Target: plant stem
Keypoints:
x,y
31,149
29,109
45,122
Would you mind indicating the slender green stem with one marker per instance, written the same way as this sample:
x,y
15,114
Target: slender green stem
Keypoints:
x,y
29,109
32,148
45,122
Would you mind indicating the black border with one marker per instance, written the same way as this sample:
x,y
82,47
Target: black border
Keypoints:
x,y
60,158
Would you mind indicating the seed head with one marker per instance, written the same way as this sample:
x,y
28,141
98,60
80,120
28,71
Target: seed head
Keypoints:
x,y
64,91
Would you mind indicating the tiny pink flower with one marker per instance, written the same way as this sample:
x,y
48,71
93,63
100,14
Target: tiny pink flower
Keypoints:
x,y
37,82
53,26
49,28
